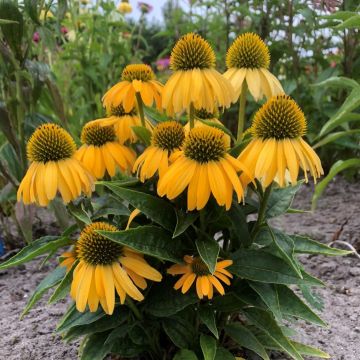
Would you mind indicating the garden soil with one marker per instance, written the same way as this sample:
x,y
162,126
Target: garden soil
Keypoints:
x,y
336,218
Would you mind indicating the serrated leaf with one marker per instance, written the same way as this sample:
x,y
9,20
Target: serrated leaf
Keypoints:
x,y
149,240
207,316
258,265
338,82
183,221
285,246
75,318
280,200
208,346
185,354
335,136
163,300
223,354
63,288
291,304
47,283
269,296
263,320
305,245
208,249
36,248
153,207
245,338
179,331
94,347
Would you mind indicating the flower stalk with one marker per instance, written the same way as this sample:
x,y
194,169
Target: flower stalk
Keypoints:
x,y
241,116
140,108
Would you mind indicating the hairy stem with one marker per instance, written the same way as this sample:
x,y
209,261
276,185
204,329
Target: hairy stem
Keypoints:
x,y
140,108
241,118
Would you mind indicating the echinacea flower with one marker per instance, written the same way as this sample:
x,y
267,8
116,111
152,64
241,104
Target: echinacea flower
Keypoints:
x,y
53,168
102,152
206,118
124,7
105,266
167,137
195,80
136,79
195,269
123,122
204,167
248,60
277,150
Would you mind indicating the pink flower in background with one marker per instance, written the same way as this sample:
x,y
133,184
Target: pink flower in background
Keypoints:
x,y
36,37
144,7
64,30
163,63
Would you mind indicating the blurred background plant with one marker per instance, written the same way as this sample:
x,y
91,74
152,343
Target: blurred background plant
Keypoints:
x,y
58,59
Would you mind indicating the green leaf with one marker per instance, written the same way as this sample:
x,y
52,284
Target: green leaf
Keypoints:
x,y
94,347
50,281
105,323
75,318
258,265
208,346
245,338
309,350
183,221
280,200
5,22
350,23
149,240
264,321
339,166
143,134
305,245
79,213
269,295
208,249
312,298
219,126
351,103
338,82
38,247
179,331
339,15
335,136
126,348
163,300
63,288
207,316
119,333
230,302
291,304
185,354
344,119
239,230
155,208
223,354
285,246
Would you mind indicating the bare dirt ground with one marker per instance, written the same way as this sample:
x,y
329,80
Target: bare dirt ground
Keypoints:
x,y
337,217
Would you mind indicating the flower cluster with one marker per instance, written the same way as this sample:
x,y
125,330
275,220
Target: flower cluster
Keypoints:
x,y
188,158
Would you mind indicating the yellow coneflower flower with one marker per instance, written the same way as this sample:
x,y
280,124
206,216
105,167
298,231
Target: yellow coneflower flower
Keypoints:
x,y
124,7
167,137
101,152
53,168
195,269
204,166
105,266
68,258
136,79
195,80
123,122
277,148
202,115
248,60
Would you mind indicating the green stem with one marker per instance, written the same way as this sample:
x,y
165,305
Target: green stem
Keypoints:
x,y
191,115
241,118
262,210
140,108
133,308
